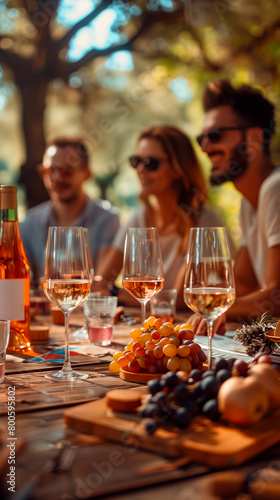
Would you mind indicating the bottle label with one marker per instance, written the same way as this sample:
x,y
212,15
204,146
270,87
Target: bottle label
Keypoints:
x,y
12,299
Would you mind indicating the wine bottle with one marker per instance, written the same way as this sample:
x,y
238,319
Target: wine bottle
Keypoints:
x,y
14,271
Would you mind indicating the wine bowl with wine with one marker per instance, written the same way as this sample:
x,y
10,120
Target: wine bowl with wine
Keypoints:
x,y
209,288
142,265
66,282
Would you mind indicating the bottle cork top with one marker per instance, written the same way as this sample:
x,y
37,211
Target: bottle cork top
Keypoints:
x,y
8,197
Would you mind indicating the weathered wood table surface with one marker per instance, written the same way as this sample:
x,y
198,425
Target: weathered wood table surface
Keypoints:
x,y
93,468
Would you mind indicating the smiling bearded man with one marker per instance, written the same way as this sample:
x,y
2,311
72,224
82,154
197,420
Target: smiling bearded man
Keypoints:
x,y
238,127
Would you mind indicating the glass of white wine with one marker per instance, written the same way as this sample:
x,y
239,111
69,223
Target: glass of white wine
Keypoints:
x,y
209,283
66,283
142,265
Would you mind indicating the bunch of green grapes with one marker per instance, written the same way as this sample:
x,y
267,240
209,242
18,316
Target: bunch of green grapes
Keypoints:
x,y
159,347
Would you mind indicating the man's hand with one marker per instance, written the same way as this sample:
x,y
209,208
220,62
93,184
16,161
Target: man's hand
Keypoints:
x,y
200,326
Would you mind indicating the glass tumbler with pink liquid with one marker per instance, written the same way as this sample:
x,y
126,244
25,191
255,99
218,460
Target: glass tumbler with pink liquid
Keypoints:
x,y
4,340
163,305
100,312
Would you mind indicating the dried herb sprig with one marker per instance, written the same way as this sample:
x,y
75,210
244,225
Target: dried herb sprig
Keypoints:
x,y
253,335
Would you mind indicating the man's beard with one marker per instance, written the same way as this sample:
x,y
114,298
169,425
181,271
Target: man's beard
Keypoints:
x,y
70,199
66,197
236,167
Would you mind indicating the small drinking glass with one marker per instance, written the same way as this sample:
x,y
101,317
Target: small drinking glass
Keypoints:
x,y
100,312
4,340
163,305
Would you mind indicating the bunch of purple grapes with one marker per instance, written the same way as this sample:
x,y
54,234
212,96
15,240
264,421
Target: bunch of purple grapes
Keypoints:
x,y
176,400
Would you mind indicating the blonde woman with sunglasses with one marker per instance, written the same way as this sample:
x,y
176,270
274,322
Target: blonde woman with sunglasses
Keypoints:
x,y
174,199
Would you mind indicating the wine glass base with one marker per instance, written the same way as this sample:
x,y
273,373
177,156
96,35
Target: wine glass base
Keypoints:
x,y
65,376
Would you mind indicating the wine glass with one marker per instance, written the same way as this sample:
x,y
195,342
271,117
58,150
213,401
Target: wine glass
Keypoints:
x,y
66,282
142,265
82,333
209,283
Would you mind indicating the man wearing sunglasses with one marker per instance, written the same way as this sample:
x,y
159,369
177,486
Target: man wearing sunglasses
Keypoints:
x,y
64,170
238,127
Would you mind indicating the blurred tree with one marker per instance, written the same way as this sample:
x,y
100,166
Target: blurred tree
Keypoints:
x,y
34,46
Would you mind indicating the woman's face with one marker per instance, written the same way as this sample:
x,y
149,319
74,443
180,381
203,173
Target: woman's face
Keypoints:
x,y
160,180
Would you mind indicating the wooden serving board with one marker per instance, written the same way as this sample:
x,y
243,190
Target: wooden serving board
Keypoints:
x,y
139,378
206,442
144,377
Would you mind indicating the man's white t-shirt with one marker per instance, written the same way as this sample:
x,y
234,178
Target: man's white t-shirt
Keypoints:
x,y
261,227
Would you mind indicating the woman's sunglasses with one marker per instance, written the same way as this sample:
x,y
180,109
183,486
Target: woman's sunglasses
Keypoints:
x,y
150,163
215,135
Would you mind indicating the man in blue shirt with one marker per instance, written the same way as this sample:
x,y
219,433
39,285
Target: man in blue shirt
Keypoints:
x,y
64,169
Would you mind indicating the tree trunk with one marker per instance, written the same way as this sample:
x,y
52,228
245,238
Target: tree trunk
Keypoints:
x,y
33,93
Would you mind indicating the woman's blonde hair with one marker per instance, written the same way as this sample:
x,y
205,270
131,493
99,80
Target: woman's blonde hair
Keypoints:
x,y
192,187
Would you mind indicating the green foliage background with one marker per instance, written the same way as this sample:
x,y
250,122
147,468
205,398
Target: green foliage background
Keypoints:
x,y
196,40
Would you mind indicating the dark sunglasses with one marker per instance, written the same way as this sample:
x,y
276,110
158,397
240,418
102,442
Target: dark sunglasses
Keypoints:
x,y
214,136
150,163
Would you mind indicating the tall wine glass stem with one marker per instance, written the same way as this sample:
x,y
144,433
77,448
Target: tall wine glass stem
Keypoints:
x,y
210,336
143,311
66,364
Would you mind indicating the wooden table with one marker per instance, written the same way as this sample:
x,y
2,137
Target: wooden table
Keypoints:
x,y
100,468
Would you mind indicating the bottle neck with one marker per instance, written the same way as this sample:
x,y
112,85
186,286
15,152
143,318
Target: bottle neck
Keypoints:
x,y
8,215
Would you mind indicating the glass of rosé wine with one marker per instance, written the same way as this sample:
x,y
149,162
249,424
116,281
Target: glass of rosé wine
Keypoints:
x,y
142,265
209,283
66,283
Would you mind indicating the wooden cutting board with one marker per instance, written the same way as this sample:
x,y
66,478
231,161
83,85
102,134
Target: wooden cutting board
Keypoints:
x,y
206,442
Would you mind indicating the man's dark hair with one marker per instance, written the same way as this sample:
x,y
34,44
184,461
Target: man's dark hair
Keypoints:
x,y
76,143
247,102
